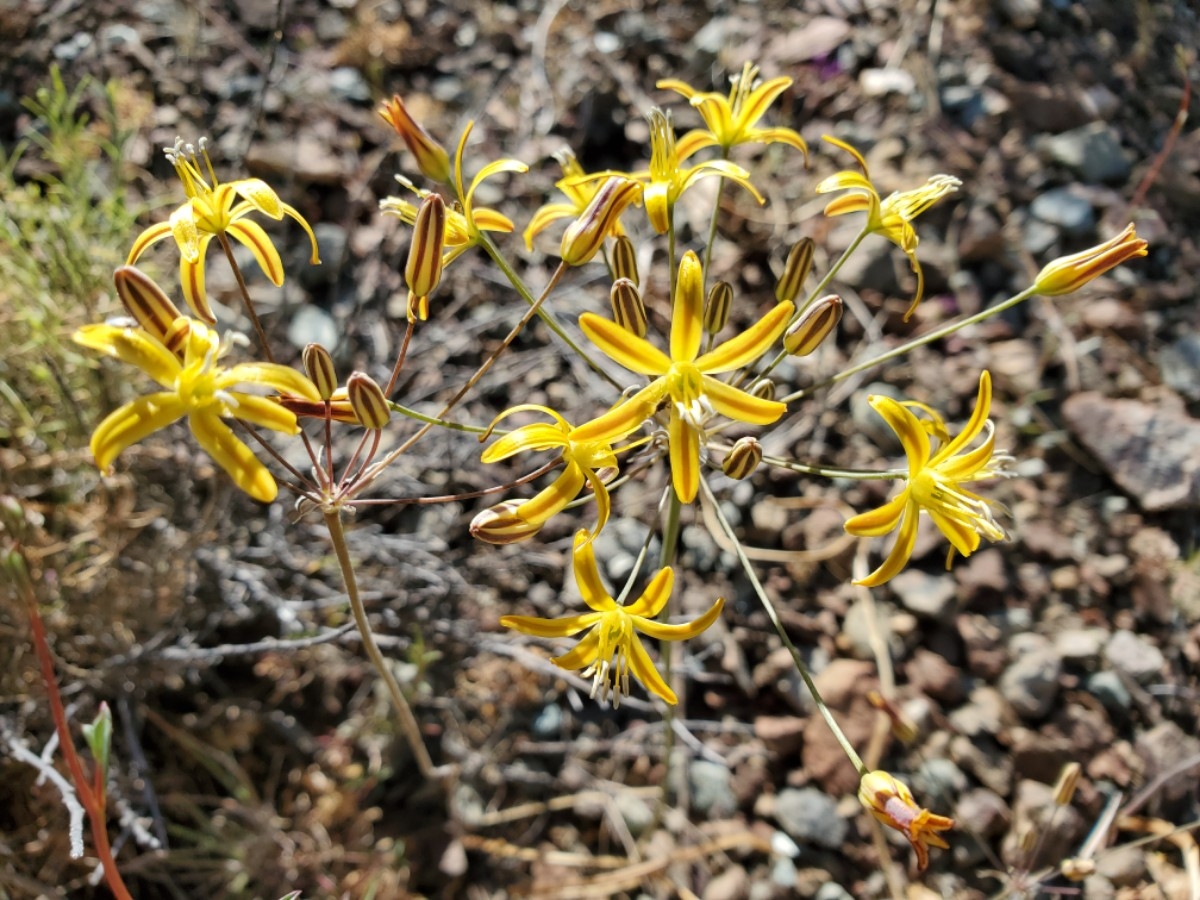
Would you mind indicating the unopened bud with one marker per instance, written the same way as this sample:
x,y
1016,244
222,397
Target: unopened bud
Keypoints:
x,y
501,524
99,739
624,260
367,400
1076,868
717,306
424,268
629,311
763,389
1068,780
742,459
149,306
432,158
585,236
795,270
813,326
1070,273
15,568
689,298
318,366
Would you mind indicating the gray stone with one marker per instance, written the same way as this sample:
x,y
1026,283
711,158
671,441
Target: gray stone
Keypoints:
x,y
712,794
1065,209
548,723
878,82
1030,683
1148,451
1110,690
940,780
312,325
857,628
931,596
783,873
1038,237
347,83
1135,656
700,551
636,812
1081,646
810,816
1092,152
1022,14
986,812
1179,363
832,891
331,244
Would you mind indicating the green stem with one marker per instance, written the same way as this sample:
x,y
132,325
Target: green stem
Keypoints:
x,y
936,334
434,420
241,283
748,567
409,726
823,471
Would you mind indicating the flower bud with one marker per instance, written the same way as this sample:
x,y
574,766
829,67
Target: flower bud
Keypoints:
x,y
1070,273
624,260
367,400
585,236
689,292
501,524
424,268
813,326
742,459
629,311
318,366
889,800
149,305
763,389
717,306
432,158
1068,780
795,270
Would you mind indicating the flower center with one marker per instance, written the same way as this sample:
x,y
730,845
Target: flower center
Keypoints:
x,y
610,671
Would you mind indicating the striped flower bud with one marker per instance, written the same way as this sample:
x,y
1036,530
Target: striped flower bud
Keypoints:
x,y
742,459
624,260
763,389
500,524
367,400
1068,780
1070,273
424,268
585,236
795,270
813,326
717,306
629,310
432,158
150,307
318,366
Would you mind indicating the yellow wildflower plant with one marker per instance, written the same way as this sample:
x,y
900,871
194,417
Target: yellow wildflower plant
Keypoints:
x,y
579,189
584,463
668,178
889,800
685,377
214,209
935,484
890,217
734,119
198,387
612,649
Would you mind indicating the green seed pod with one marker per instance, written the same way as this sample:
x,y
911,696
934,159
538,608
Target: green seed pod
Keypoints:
x,y
318,366
717,306
629,311
742,459
367,400
795,270
806,334
624,260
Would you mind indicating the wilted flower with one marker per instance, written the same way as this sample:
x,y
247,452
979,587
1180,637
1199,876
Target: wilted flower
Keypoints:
x,y
890,217
734,119
935,484
685,377
198,387
612,649
1070,273
889,800
432,158
215,209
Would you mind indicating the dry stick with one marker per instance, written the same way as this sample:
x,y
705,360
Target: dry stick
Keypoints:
x,y
87,796
408,722
241,283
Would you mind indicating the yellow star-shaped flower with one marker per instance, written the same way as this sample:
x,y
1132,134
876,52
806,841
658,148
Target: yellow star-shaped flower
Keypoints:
x,y
685,377
612,649
935,484
214,209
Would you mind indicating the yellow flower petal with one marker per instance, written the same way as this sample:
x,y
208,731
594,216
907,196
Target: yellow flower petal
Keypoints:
x,y
654,598
258,194
186,232
749,345
687,316
551,499
131,423
683,631
979,416
585,652
962,535
901,552
284,379
134,347
634,353
534,437
148,238
623,418
587,575
737,404
644,671
265,412
913,438
191,280
545,217
238,460
685,457
552,628
251,236
878,522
